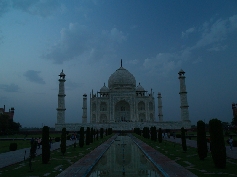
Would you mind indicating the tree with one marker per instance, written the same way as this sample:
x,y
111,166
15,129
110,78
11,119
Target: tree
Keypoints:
x,y
91,135
184,146
97,134
234,121
88,136
218,149
63,141
32,153
45,145
7,125
160,135
15,126
101,132
4,123
81,140
201,140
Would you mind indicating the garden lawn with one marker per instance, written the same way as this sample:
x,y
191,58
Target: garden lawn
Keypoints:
x,y
57,162
190,159
4,144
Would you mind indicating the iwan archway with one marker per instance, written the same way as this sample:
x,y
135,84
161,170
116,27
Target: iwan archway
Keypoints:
x,y
122,111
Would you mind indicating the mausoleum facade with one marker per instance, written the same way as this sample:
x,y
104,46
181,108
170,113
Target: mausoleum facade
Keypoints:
x,y
122,105
122,101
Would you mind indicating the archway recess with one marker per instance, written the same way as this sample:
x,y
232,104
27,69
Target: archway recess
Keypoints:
x,y
122,111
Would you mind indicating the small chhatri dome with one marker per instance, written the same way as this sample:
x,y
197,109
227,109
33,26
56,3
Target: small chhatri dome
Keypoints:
x,y
121,79
181,72
62,75
104,89
140,88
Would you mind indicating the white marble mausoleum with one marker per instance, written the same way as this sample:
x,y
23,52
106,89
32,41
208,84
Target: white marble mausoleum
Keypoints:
x,y
122,105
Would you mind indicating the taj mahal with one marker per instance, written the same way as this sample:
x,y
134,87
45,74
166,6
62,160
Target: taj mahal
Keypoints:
x,y
123,105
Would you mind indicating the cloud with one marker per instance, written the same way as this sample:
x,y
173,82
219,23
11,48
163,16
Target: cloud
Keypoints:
x,y
187,32
133,62
217,48
213,37
199,60
33,76
215,33
72,85
4,6
9,88
80,42
43,8
162,63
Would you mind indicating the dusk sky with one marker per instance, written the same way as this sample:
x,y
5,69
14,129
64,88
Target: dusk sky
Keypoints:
x,y
88,38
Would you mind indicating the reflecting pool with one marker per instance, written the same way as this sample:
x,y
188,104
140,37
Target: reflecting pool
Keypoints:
x,y
124,158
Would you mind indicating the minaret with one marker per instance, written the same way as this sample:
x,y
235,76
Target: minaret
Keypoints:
x,y
61,100
84,108
160,114
183,97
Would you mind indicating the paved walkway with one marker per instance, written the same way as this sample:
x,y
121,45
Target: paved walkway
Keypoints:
x,y
192,143
12,157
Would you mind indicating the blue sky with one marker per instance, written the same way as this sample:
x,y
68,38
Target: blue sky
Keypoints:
x,y
87,39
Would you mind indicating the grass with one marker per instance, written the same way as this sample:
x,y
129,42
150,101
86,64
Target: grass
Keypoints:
x,y
4,147
57,162
190,159
4,144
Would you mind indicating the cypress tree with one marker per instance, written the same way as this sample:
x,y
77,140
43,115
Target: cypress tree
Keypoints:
x,y
144,132
87,136
81,140
45,145
155,134
97,134
217,142
63,141
101,132
201,140
160,135
148,133
184,146
106,132
92,134
152,133
110,131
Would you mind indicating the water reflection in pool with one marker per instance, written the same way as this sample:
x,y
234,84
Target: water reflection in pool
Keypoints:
x,y
124,158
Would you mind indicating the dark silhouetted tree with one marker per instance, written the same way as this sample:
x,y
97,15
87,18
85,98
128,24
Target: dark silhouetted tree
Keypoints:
x,y
63,141
160,135
218,149
45,145
81,139
201,140
88,136
184,146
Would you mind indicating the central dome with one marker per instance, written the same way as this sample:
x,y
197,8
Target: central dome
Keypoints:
x,y
121,79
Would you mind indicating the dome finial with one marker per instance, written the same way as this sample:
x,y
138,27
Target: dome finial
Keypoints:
x,y
121,63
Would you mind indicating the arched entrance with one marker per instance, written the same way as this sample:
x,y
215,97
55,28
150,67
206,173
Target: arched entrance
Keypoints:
x,y
122,112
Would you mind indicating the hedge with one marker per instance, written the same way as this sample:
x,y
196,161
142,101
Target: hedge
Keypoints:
x,y
13,146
